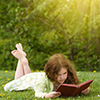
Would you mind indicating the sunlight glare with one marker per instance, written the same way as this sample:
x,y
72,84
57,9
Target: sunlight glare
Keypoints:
x,y
68,0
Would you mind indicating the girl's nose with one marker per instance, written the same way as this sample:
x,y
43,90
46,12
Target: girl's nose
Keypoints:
x,y
62,77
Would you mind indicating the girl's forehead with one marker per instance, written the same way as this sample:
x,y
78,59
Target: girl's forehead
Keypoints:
x,y
62,70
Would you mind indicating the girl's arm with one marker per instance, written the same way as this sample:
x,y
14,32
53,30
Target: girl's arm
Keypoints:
x,y
44,89
41,87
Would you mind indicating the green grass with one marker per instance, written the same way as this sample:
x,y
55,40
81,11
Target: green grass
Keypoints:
x,y
5,77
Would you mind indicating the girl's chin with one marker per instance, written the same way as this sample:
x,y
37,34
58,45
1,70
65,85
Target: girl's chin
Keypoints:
x,y
61,82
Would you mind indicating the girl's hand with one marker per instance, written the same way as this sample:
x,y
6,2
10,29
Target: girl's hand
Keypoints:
x,y
86,91
52,95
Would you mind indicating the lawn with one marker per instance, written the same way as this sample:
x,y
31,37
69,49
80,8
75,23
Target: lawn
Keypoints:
x,y
6,76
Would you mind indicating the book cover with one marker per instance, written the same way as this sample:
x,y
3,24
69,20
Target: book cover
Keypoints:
x,y
73,90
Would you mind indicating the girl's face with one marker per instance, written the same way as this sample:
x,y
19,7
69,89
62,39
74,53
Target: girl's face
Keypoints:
x,y
62,75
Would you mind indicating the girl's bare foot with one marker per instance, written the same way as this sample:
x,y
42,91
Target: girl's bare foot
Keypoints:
x,y
20,48
19,55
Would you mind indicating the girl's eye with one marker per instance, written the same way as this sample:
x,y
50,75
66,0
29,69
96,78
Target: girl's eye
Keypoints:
x,y
59,75
65,72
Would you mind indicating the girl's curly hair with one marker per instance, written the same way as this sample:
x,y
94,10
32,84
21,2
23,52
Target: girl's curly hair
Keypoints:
x,y
54,65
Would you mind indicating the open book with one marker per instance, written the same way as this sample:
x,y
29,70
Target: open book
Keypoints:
x,y
73,90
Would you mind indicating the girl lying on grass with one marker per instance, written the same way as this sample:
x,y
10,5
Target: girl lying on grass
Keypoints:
x,y
58,70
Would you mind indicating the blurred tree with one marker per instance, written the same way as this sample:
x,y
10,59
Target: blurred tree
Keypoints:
x,y
46,27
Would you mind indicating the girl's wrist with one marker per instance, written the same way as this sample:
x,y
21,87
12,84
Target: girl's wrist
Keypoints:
x,y
45,96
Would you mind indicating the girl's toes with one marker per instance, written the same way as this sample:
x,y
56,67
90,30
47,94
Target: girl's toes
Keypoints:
x,y
21,46
17,46
13,51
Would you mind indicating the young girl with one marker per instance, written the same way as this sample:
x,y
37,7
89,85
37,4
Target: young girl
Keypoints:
x,y
58,70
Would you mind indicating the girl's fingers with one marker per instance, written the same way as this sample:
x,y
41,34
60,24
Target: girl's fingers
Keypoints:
x,y
57,94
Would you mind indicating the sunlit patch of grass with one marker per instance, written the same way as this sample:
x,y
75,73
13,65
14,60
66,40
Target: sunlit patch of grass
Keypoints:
x,y
7,76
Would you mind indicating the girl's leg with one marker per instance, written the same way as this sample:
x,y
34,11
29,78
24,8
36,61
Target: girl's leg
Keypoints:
x,y
21,69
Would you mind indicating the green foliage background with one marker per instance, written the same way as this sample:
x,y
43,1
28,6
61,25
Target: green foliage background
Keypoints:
x,y
46,27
